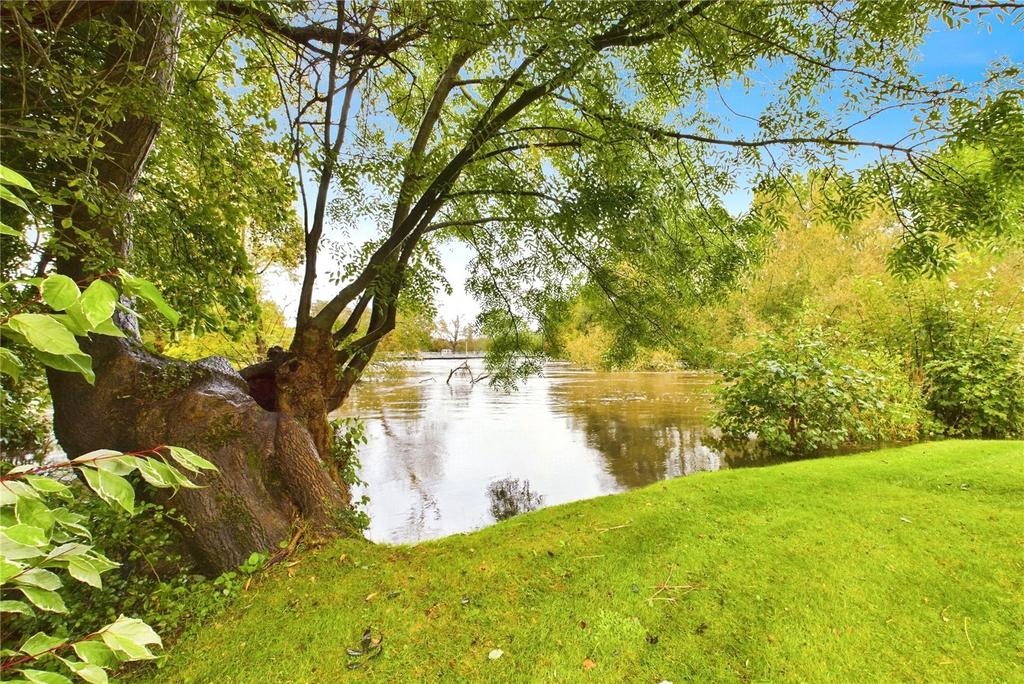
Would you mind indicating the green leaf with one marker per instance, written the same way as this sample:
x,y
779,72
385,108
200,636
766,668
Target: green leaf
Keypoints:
x,y
29,535
108,327
8,569
11,177
59,291
138,287
6,194
134,630
44,599
111,488
42,677
93,674
10,364
151,472
99,301
35,513
16,607
45,334
126,648
74,319
45,484
160,474
96,454
17,551
8,230
96,653
83,570
189,460
37,577
73,323
40,643
72,521
68,550
12,490
120,465
72,363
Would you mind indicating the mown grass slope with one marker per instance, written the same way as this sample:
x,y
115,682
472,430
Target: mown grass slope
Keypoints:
x,y
900,564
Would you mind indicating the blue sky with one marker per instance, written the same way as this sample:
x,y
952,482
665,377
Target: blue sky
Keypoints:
x,y
963,54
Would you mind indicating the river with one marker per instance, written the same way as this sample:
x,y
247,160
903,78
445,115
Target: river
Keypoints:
x,y
447,458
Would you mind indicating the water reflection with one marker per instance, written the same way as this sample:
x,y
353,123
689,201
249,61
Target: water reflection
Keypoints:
x,y
435,449
511,496
647,426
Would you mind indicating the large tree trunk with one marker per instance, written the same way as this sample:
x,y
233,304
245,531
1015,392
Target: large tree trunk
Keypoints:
x,y
271,474
301,382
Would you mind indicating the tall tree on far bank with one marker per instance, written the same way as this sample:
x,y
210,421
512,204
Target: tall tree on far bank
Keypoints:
x,y
559,141
452,330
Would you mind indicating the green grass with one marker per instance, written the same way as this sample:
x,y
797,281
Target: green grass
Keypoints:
x,y
896,565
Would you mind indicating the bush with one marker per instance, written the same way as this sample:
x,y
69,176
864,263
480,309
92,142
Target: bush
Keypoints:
x,y
810,393
974,373
349,435
155,581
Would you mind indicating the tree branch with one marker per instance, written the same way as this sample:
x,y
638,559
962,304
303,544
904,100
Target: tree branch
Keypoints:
x,y
321,33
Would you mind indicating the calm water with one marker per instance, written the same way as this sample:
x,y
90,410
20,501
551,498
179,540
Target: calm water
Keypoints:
x,y
438,455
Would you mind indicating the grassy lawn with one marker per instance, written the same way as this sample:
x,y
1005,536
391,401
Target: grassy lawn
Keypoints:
x,y
902,564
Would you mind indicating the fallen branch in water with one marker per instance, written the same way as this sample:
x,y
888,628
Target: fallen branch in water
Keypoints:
x,y
464,366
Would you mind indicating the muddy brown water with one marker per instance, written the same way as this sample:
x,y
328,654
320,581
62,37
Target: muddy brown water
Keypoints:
x,y
447,458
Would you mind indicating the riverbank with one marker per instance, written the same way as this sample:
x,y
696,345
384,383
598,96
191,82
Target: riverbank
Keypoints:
x,y
900,564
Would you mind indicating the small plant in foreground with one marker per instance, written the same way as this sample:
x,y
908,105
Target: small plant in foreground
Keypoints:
x,y
349,435
38,535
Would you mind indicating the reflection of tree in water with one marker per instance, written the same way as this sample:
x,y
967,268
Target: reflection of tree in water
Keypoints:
x,y
414,446
647,427
511,496
416,520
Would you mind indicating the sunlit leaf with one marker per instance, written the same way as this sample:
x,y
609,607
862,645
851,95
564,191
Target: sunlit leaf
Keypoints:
x,y
99,301
44,599
96,653
189,460
139,287
40,643
111,488
45,334
59,291
10,364
12,177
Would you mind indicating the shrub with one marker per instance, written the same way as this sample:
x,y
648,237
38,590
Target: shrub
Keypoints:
x,y
588,349
349,435
156,581
974,373
810,393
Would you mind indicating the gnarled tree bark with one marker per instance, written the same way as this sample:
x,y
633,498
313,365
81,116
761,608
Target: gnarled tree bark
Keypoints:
x,y
272,476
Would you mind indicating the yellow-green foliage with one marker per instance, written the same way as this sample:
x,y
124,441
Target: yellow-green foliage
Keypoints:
x,y
247,347
815,275
588,349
